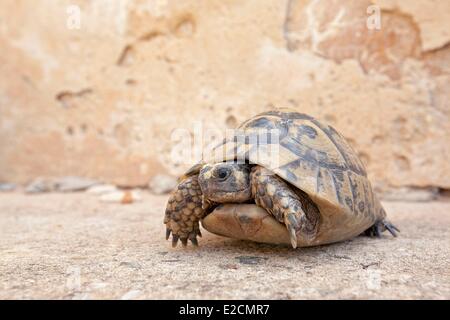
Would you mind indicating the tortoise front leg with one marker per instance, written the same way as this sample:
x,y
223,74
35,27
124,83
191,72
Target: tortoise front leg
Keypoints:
x,y
294,209
184,211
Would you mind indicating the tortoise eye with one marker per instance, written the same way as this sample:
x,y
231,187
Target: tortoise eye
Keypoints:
x,y
222,173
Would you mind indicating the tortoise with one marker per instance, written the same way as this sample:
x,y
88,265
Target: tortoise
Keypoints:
x,y
282,177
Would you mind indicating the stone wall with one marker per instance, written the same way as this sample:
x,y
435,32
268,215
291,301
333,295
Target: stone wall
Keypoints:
x,y
104,99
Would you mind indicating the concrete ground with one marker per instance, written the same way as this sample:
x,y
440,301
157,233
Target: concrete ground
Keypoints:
x,y
72,246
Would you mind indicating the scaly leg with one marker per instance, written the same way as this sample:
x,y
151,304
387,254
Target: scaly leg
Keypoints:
x,y
379,227
184,211
293,208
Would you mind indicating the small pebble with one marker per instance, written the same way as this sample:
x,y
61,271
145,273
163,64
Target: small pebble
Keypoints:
x,y
40,185
124,197
7,187
102,189
130,264
98,285
71,183
162,184
132,294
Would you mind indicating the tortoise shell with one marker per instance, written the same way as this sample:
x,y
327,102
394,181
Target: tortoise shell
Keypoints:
x,y
313,157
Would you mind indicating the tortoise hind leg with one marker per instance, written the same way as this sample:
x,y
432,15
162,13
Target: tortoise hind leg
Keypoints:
x,y
381,226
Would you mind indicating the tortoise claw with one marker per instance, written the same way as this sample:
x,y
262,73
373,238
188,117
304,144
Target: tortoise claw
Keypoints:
x,y
194,241
292,226
391,228
192,236
293,237
174,240
379,227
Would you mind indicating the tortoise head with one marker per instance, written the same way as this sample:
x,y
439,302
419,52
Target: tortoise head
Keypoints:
x,y
225,182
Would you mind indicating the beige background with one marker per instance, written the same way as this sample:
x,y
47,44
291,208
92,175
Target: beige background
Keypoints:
x,y
102,101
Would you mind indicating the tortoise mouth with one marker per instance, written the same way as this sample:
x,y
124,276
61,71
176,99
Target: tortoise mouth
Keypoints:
x,y
235,196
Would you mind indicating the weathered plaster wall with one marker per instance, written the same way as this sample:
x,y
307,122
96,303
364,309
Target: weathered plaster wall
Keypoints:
x,y
103,100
